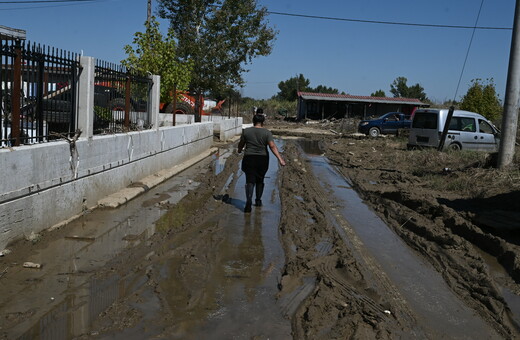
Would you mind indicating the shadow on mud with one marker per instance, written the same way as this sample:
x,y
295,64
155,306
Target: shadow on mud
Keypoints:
x,y
498,215
237,203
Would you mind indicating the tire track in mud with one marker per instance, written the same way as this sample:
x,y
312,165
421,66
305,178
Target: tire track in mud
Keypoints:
x,y
330,289
441,235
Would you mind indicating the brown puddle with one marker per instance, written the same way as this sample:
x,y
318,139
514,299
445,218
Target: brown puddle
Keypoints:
x,y
236,297
226,285
64,298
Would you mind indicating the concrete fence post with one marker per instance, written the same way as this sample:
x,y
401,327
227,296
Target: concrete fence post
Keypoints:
x,y
86,97
155,100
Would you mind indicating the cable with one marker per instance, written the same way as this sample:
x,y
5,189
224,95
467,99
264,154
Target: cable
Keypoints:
x,y
467,51
51,4
382,22
388,22
41,1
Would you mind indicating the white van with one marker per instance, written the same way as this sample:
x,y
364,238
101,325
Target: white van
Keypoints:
x,y
467,131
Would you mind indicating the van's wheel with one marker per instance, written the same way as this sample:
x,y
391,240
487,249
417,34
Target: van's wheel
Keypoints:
x,y
374,132
455,147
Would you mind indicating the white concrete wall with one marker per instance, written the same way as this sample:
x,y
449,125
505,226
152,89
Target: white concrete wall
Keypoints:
x,y
228,128
225,127
166,119
44,185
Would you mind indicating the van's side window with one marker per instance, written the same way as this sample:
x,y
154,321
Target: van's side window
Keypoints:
x,y
484,127
463,124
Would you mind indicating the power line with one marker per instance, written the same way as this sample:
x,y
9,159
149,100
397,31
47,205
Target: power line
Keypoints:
x,y
387,22
42,1
467,51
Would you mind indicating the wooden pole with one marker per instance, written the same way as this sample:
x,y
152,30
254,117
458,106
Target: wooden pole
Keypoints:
x,y
15,96
128,93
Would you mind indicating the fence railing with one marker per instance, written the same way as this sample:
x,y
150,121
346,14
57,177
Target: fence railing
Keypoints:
x,y
38,92
39,89
120,99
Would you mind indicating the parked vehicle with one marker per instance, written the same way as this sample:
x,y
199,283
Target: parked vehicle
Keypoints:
x,y
112,98
389,123
58,106
186,105
467,131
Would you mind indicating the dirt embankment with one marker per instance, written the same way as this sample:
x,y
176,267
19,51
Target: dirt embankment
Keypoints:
x,y
331,290
448,207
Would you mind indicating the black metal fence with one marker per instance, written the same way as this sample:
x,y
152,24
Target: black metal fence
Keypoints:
x,y
38,93
120,99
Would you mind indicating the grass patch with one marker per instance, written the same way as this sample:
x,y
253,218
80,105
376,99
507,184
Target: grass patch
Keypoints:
x,y
468,173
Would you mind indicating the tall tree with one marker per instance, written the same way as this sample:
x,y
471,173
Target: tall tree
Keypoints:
x,y
325,89
482,98
220,37
378,93
399,88
151,52
290,87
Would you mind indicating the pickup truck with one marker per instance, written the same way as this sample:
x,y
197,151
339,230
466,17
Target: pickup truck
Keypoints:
x,y
389,123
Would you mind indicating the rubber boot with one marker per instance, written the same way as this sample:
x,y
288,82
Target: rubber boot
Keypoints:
x,y
249,196
259,192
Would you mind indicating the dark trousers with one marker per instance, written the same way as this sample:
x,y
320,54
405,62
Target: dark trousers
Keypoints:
x,y
255,168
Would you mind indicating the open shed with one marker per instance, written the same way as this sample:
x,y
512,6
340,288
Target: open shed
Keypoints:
x,y
326,105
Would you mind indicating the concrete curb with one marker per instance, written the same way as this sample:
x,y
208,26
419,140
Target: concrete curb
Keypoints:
x,y
121,197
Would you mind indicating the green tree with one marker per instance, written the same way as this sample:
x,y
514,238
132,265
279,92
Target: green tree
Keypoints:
x,y
325,89
378,93
400,89
153,53
290,87
482,98
220,37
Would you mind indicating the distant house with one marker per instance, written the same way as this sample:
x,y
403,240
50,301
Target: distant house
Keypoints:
x,y
8,33
326,105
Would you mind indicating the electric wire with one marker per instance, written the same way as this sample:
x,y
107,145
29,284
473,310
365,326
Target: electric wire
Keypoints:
x,y
32,5
467,51
388,22
42,1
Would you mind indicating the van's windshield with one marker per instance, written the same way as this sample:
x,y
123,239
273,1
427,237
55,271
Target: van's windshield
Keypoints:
x,y
425,120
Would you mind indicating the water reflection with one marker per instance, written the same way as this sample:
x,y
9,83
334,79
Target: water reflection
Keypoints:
x,y
64,298
223,284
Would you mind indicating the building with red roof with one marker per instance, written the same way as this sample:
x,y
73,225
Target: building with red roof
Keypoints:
x,y
327,105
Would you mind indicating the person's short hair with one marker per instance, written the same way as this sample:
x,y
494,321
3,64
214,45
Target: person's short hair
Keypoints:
x,y
259,111
258,118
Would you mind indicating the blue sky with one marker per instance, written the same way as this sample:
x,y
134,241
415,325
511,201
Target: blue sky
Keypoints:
x,y
357,58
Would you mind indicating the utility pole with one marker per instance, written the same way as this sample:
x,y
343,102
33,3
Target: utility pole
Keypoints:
x,y
511,103
149,12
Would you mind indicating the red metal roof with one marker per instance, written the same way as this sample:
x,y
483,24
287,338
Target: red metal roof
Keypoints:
x,y
348,97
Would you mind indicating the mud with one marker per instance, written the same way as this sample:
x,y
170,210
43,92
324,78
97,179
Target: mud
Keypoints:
x,y
195,266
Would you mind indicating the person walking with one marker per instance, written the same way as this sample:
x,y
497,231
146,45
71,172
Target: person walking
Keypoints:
x,y
255,163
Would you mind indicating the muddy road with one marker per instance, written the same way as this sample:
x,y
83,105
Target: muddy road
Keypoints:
x,y
350,243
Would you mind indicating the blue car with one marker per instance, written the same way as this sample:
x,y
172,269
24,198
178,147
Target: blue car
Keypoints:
x,y
389,123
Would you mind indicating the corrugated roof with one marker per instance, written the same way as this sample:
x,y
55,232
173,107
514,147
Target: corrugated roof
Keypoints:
x,y
363,99
9,33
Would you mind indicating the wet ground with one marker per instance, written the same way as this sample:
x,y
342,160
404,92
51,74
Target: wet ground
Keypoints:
x,y
183,261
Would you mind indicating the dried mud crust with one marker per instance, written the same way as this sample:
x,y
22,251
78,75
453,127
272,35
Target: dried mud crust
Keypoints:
x,y
442,225
328,288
